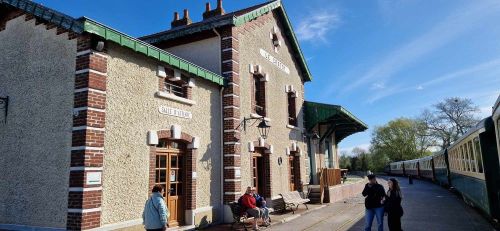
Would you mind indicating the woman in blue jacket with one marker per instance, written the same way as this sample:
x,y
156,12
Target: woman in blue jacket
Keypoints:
x,y
155,215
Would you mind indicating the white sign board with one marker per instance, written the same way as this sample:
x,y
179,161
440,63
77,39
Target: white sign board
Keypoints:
x,y
175,112
274,61
93,178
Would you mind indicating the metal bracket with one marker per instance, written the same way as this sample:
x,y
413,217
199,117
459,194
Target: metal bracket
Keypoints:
x,y
4,104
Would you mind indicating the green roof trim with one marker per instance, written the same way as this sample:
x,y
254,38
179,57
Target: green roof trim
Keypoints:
x,y
93,27
50,15
344,122
242,19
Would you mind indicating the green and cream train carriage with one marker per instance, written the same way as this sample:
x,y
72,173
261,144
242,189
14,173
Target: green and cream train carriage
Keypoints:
x,y
474,167
471,165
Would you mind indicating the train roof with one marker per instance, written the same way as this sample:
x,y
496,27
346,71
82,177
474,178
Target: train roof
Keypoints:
x,y
479,127
411,161
425,158
496,108
438,153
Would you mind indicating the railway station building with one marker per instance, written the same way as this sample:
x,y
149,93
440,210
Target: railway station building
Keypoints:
x,y
92,118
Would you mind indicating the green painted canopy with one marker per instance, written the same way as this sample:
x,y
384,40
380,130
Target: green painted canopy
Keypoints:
x,y
343,122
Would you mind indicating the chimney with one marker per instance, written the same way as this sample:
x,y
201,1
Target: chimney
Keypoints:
x,y
215,12
181,22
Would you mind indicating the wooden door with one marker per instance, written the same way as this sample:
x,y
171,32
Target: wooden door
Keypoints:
x,y
255,173
170,174
291,172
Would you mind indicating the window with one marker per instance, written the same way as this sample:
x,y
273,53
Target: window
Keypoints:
x,y
259,96
477,148
292,111
173,88
472,160
179,86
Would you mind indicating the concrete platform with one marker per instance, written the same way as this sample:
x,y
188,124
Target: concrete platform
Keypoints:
x,y
427,207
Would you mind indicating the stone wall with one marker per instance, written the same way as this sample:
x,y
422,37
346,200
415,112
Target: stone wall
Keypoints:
x,y
37,69
253,37
131,111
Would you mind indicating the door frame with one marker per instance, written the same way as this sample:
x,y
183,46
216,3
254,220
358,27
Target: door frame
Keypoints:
x,y
264,170
190,157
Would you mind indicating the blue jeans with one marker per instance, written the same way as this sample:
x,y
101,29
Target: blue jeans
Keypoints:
x,y
376,212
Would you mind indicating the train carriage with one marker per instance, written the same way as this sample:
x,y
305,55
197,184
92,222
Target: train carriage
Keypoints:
x,y
397,168
411,168
496,120
441,173
474,167
426,169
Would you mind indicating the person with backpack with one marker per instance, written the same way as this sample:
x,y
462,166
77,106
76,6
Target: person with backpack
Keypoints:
x,y
393,206
374,194
262,205
156,214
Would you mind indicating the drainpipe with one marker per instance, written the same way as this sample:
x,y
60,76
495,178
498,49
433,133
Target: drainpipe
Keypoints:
x,y
221,136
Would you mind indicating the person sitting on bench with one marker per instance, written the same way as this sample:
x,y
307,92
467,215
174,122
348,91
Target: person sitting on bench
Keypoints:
x,y
261,203
250,206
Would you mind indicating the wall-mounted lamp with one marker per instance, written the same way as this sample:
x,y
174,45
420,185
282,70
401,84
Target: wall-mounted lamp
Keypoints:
x,y
4,104
263,126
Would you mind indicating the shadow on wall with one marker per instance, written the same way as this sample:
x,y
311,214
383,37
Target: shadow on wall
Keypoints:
x,y
210,160
293,134
204,223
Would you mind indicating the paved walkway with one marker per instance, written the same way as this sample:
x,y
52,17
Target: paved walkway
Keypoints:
x,y
427,207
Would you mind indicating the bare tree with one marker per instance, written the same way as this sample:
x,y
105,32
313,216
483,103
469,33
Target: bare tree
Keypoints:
x,y
449,119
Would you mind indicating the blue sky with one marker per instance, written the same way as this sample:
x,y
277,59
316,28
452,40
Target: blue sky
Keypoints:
x,y
380,59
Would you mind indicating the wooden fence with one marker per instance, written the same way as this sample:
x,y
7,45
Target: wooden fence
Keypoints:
x,y
330,177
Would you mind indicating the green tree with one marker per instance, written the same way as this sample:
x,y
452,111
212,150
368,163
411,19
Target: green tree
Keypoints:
x,y
378,160
449,119
401,139
345,161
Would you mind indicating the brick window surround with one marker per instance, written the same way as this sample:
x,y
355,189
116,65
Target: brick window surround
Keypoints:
x,y
189,164
292,109
179,88
258,95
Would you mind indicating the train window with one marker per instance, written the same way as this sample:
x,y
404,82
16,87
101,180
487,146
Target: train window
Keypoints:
x,y
467,157
477,148
472,158
464,158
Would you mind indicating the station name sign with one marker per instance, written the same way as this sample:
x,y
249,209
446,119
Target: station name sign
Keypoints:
x,y
175,112
274,61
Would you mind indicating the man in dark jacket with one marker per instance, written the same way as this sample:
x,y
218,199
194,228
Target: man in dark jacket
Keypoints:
x,y
374,200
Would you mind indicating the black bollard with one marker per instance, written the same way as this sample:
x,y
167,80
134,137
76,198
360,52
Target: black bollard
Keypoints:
x,y
410,179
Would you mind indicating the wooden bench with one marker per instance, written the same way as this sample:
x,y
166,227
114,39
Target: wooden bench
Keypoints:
x,y
293,199
239,217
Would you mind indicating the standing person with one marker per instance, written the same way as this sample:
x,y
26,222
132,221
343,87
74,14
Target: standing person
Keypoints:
x,y
375,194
155,215
262,204
250,205
393,206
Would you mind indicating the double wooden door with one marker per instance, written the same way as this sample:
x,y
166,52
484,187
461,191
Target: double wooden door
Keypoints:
x,y
170,174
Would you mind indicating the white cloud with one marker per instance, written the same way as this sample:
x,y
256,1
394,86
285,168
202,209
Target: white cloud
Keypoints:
x,y
378,86
446,30
348,150
485,69
317,25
